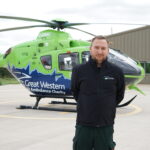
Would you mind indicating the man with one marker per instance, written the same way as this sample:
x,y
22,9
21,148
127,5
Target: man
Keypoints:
x,y
98,87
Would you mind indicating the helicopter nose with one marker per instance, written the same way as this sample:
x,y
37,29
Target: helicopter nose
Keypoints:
x,y
133,71
136,75
130,68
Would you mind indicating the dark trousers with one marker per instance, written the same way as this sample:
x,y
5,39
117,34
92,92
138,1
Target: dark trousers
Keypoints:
x,y
93,138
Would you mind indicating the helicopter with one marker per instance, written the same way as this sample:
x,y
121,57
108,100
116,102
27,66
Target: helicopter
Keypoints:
x,y
44,65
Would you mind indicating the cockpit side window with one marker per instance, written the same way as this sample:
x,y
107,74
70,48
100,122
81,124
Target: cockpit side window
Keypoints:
x,y
113,59
68,60
85,56
47,62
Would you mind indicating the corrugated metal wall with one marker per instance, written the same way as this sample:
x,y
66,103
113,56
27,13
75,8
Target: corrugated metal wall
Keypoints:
x,y
135,43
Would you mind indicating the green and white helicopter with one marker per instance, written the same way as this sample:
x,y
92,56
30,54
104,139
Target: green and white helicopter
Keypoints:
x,y
44,65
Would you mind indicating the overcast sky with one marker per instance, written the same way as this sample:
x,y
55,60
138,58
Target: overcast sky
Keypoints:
x,y
97,11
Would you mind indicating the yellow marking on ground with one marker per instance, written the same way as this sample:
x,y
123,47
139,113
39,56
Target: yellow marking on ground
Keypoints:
x,y
34,118
8,102
44,105
135,111
64,112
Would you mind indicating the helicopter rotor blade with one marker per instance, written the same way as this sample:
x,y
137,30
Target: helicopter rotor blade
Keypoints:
x,y
66,25
56,24
23,27
28,19
81,31
111,23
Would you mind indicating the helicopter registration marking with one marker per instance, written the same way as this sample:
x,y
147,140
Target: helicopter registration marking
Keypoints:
x,y
44,35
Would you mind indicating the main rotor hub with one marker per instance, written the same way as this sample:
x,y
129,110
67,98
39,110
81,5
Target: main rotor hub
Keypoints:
x,y
59,24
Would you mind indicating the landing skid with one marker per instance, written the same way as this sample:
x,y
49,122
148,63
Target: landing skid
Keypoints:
x,y
39,97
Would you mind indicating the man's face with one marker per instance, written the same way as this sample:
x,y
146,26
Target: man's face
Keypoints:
x,y
99,50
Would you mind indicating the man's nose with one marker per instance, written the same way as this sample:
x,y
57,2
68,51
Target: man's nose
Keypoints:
x,y
99,51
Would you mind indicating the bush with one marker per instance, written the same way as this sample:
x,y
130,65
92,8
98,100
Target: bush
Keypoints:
x,y
5,73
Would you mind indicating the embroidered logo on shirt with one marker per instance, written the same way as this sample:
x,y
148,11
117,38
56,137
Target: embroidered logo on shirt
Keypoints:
x,y
108,78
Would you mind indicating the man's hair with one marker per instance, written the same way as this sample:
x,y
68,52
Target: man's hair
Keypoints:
x,y
99,37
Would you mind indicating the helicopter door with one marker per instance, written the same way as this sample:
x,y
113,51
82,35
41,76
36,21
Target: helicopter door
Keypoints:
x,y
68,60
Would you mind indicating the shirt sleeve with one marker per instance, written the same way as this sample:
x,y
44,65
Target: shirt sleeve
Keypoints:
x,y
120,88
74,83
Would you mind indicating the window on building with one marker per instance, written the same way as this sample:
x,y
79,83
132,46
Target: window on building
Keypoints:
x,y
85,56
68,60
47,62
146,66
142,64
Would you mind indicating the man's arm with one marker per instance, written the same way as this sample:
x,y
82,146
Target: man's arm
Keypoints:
x,y
74,83
120,87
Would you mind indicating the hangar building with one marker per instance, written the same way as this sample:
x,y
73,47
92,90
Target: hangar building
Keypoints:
x,y
136,44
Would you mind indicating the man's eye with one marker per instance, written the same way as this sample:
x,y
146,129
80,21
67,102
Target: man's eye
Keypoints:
x,y
96,47
103,48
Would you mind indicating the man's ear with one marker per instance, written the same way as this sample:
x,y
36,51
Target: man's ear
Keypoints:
x,y
90,47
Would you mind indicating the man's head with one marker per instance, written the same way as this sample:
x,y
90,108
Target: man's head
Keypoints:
x,y
99,48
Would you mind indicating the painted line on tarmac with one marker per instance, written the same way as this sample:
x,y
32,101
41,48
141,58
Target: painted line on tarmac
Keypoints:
x,y
34,118
136,110
7,102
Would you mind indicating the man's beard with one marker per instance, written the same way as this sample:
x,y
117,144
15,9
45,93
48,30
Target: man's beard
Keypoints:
x,y
99,59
